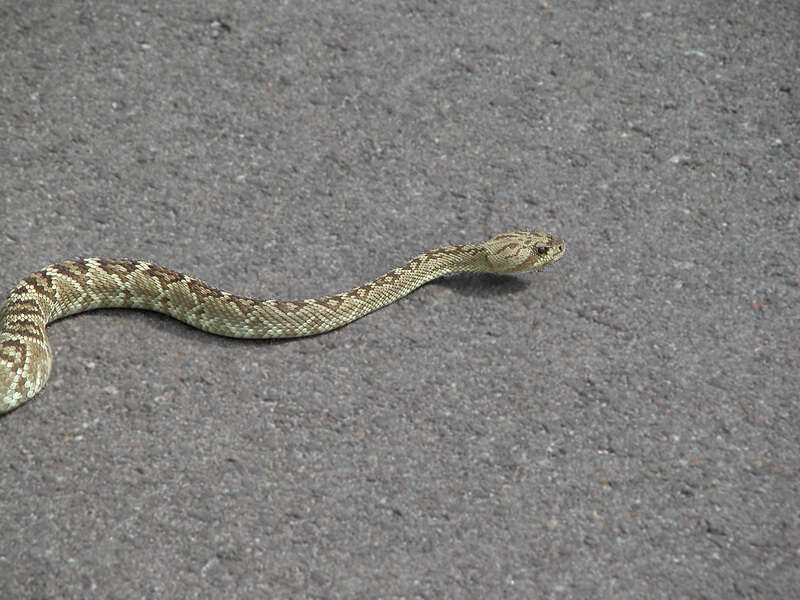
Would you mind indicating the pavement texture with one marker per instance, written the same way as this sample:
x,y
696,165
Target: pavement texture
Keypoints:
x,y
622,425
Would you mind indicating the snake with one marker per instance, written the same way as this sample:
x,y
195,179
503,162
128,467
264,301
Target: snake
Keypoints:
x,y
76,286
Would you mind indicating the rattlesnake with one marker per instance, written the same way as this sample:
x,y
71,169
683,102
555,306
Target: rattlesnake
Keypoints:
x,y
75,286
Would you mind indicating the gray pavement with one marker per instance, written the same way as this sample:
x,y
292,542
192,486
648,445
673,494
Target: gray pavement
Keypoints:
x,y
622,425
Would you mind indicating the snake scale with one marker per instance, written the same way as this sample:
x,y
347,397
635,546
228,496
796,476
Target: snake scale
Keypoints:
x,y
76,286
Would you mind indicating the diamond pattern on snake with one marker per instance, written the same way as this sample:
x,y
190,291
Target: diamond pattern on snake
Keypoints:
x,y
76,286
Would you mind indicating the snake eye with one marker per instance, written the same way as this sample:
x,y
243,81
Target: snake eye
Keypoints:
x,y
542,249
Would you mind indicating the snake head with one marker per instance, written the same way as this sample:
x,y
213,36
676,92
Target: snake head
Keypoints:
x,y
522,251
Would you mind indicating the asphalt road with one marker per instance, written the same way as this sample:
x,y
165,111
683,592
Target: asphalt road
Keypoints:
x,y
622,425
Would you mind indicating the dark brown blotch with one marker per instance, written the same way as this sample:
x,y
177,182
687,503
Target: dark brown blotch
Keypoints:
x,y
116,266
23,306
245,305
201,290
41,283
165,276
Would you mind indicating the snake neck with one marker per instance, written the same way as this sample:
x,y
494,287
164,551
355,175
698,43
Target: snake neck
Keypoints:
x,y
403,280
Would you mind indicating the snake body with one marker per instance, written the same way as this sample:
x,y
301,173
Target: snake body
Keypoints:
x,y
76,286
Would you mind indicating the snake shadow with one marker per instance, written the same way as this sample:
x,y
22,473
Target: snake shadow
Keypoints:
x,y
482,285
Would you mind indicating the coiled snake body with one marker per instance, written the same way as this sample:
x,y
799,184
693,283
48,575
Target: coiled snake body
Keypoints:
x,y
79,285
